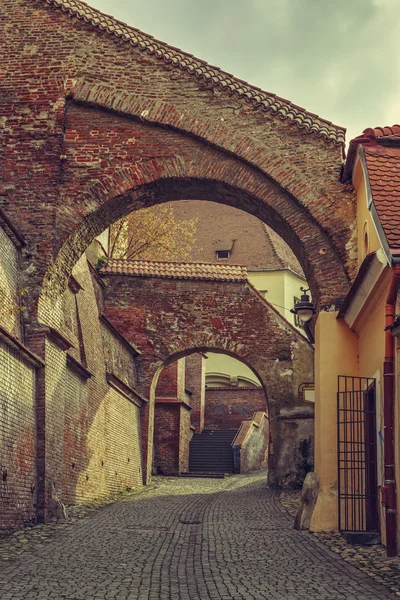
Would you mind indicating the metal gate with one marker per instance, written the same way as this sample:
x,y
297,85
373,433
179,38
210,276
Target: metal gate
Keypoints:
x,y
357,455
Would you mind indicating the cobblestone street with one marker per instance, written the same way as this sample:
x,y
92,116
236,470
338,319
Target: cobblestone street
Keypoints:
x,y
185,538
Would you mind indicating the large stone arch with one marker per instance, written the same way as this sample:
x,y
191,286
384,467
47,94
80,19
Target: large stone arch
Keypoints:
x,y
168,318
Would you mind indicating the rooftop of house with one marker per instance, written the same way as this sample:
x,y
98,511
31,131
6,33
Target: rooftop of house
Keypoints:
x,y
380,149
383,166
248,240
174,270
268,102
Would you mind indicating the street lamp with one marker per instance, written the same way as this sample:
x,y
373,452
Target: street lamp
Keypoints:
x,y
305,308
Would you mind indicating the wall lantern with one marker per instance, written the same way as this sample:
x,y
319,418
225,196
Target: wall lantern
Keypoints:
x,y
305,308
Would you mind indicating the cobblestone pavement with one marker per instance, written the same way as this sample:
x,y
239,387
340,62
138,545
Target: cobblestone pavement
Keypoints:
x,y
184,539
371,560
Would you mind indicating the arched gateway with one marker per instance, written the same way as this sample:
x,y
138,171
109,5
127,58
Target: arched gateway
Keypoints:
x,y
101,119
168,310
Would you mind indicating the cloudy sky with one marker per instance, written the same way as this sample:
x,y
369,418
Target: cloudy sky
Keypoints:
x,y
337,58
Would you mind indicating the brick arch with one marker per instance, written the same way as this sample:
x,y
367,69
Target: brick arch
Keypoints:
x,y
166,318
204,177
268,160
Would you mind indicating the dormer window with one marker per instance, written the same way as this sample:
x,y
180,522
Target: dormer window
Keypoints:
x,y
223,253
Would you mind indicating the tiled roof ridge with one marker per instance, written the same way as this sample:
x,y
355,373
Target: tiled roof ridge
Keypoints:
x,y
266,101
383,131
274,250
174,270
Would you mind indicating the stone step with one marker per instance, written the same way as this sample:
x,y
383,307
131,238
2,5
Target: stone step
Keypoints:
x,y
204,474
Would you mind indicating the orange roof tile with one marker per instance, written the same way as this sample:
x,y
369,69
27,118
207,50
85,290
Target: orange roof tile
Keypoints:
x,y
174,270
383,165
266,101
383,131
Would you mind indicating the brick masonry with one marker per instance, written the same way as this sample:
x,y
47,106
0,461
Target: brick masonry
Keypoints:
x,y
114,129
10,291
170,318
93,128
71,430
195,383
92,412
226,408
172,431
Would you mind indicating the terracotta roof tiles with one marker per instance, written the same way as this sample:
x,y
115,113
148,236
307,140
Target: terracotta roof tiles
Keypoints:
x,y
174,270
383,165
384,131
214,76
221,227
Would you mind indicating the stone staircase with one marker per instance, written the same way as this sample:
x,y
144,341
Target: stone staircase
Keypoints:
x,y
211,452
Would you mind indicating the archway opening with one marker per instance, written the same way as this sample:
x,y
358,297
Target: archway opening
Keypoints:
x,y
163,334
201,428
263,199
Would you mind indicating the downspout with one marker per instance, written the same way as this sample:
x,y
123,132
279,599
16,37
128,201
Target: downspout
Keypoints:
x,y
389,489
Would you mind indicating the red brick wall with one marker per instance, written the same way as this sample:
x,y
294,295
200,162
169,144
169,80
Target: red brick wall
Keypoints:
x,y
201,150
171,382
212,315
167,384
172,421
195,382
226,408
166,438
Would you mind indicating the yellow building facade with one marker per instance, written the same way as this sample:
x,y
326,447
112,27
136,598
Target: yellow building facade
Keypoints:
x,y
355,346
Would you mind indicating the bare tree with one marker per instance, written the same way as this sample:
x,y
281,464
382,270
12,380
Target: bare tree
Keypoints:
x,y
152,234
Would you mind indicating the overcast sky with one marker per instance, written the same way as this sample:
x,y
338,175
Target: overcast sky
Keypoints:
x,y
337,58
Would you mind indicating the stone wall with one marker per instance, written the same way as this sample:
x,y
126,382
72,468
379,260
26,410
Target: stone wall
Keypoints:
x,y
298,425
226,408
254,453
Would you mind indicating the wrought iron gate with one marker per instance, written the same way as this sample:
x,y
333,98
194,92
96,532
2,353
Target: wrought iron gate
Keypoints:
x,y
357,455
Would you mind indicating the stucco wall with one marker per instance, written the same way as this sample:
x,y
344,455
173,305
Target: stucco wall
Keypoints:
x,y
279,288
254,453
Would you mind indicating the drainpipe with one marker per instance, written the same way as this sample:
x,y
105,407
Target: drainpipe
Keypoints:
x,y
389,489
